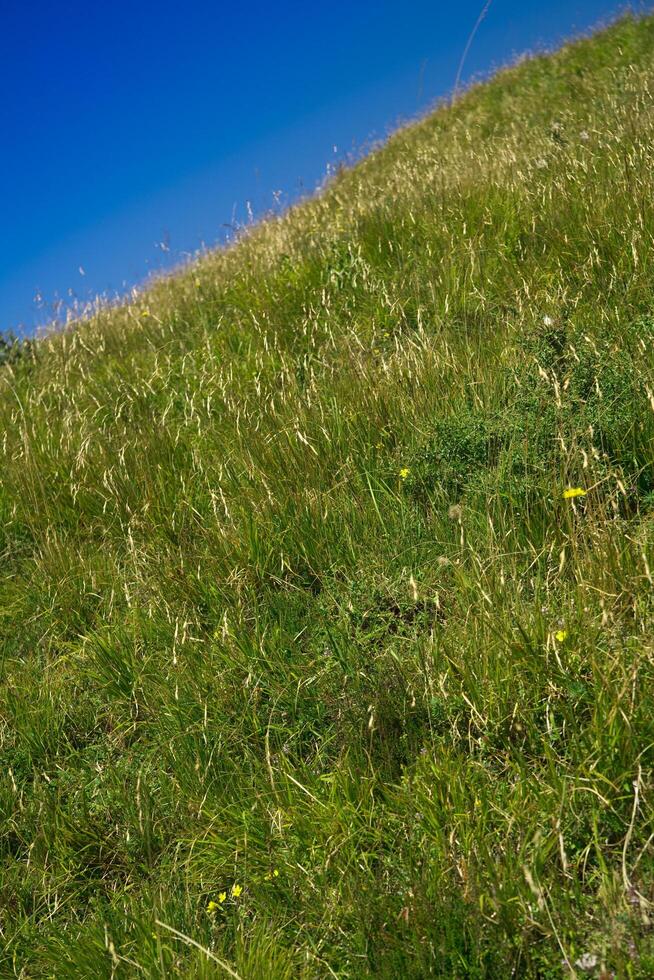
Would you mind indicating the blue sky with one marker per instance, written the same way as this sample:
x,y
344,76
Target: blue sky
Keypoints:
x,y
134,133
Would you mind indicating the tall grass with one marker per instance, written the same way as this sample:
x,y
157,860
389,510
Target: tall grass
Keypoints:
x,y
309,668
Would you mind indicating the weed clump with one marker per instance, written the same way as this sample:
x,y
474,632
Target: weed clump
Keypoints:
x,y
572,410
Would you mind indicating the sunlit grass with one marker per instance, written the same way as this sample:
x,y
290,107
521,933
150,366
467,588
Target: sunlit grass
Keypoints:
x,y
327,572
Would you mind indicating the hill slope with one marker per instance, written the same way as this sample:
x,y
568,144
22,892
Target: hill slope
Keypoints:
x,y
310,664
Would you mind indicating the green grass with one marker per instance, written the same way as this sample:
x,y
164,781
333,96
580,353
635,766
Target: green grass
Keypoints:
x,y
295,617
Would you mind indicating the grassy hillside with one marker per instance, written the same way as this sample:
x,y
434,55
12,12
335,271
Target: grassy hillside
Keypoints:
x,y
326,598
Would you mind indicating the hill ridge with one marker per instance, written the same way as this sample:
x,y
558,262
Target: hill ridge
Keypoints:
x,y
326,595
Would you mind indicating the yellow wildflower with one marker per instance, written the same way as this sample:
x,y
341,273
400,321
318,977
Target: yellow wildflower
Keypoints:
x,y
236,891
574,492
561,636
222,897
404,472
212,906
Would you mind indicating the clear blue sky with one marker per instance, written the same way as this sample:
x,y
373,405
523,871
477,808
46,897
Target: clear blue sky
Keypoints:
x,y
128,125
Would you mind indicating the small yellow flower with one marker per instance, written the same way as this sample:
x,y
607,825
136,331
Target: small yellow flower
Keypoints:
x,y
212,906
222,897
561,636
271,874
574,492
404,472
236,891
